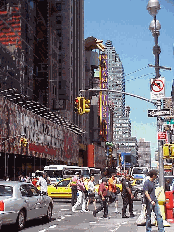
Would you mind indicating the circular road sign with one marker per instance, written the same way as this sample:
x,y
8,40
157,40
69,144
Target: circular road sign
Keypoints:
x,y
157,86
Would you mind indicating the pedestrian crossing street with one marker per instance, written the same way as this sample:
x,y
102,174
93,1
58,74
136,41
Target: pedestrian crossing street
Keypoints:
x,y
78,221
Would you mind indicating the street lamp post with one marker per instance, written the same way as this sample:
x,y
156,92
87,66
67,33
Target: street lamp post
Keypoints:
x,y
153,7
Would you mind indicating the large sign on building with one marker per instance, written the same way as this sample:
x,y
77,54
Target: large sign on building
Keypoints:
x,y
103,101
45,138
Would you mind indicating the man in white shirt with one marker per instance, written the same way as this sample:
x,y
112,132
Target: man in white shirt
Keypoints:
x,y
43,184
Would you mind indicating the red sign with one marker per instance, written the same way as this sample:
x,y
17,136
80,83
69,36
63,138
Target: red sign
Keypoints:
x,y
157,85
161,136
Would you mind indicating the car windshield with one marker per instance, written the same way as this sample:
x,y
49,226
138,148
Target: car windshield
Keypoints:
x,y
139,171
54,173
6,190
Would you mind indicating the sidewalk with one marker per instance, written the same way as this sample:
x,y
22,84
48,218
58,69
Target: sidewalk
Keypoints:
x,y
155,229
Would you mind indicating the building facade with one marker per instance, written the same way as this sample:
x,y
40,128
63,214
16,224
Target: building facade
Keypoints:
x,y
116,81
144,153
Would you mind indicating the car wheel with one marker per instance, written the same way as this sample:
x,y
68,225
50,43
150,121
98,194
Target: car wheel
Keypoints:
x,y
49,213
21,219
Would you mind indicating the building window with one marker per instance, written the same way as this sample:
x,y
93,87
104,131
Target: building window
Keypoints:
x,y
60,47
59,32
58,19
59,84
58,6
71,60
59,61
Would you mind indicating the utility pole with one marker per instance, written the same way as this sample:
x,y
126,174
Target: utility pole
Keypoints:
x,y
153,7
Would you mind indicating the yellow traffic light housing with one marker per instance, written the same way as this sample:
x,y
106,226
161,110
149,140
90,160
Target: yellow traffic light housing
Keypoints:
x,y
81,108
25,142
87,104
166,151
21,141
76,104
81,105
172,150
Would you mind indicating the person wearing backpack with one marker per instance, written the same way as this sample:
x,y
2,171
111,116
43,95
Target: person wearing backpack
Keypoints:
x,y
102,191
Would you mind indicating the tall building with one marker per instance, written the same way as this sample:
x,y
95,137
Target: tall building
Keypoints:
x,y
121,122
116,81
42,56
144,153
17,45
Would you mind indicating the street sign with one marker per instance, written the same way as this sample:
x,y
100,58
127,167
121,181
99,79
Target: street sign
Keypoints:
x,y
157,89
170,122
156,112
161,135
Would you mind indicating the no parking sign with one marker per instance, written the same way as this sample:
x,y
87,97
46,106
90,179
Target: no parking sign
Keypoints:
x,y
157,90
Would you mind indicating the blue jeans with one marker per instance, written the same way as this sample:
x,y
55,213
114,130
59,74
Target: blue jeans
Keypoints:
x,y
157,212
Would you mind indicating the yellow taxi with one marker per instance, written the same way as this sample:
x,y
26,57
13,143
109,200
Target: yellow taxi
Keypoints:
x,y
136,182
60,190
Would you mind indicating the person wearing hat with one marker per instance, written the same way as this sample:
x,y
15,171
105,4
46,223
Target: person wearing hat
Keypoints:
x,y
102,193
73,185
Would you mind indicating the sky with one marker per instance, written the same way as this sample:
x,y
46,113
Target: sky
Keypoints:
x,y
126,24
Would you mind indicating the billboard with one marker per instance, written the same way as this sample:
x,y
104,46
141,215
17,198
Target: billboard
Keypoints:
x,y
103,97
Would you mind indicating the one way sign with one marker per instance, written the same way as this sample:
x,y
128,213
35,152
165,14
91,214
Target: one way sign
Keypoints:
x,y
156,113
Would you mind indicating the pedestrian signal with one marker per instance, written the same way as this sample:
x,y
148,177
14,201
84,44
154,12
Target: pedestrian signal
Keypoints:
x,y
166,151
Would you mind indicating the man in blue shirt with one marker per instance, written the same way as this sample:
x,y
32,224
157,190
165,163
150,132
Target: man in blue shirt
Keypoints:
x,y
152,202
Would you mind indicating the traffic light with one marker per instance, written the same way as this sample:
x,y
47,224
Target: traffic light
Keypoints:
x,y
87,104
81,108
81,105
172,150
119,159
76,104
21,141
25,142
166,151
110,150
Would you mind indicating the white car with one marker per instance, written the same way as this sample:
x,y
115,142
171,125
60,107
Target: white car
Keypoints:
x,y
20,202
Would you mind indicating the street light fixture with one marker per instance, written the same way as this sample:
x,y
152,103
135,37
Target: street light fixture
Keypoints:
x,y
153,7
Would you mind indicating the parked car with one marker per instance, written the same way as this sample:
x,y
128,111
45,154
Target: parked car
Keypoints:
x,y
20,202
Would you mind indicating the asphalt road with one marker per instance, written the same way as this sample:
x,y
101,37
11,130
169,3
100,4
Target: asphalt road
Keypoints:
x,y
65,220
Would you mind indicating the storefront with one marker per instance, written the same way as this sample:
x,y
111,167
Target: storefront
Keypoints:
x,y
48,142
